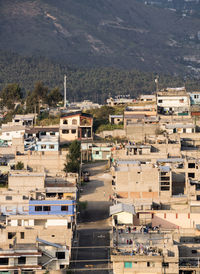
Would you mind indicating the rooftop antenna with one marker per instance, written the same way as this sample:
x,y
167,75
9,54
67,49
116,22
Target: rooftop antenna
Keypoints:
x,y
65,90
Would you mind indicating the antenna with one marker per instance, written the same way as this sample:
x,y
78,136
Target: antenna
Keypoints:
x,y
65,90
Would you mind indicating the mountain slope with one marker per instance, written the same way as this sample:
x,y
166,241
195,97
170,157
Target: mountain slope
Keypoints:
x,y
117,33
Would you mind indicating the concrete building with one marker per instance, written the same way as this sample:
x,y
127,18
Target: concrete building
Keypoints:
x,y
194,98
116,119
76,126
25,119
120,100
138,252
147,98
173,101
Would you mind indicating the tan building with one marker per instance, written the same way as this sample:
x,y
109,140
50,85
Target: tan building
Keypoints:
x,y
138,252
76,126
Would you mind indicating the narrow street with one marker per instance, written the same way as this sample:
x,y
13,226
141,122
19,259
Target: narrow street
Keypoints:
x,y
91,246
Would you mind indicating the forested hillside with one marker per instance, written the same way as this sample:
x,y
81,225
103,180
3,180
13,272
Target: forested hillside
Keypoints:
x,y
82,83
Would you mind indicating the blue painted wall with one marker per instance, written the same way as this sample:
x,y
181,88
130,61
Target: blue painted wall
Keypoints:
x,y
55,207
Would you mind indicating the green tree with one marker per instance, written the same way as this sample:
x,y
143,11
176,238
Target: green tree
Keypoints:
x,y
73,158
19,166
38,96
54,97
11,94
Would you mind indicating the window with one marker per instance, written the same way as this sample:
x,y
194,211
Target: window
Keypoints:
x,y
25,197
191,175
8,197
7,134
38,208
127,264
43,146
68,225
73,131
165,264
97,152
22,235
52,133
22,260
148,264
51,146
191,165
184,130
62,266
65,122
74,122
46,208
159,101
65,131
64,208
60,255
11,235
3,261
43,133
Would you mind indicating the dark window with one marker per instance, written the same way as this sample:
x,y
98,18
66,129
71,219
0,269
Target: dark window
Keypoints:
x,y
97,152
164,188
46,208
8,197
62,266
60,255
22,260
73,131
52,133
64,208
69,225
3,261
11,235
148,264
191,175
65,122
194,251
38,208
165,264
65,131
25,197
22,235
191,165
159,101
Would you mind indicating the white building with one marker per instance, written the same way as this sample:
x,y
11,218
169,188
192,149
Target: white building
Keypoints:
x,y
173,101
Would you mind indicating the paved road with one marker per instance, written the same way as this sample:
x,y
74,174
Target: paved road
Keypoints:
x,y
93,229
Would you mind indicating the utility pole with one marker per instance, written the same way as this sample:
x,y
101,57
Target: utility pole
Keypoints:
x,y
65,90
156,81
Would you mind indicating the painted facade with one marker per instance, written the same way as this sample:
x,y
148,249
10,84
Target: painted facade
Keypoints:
x,y
52,207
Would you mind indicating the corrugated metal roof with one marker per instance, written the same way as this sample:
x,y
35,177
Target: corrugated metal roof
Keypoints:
x,y
122,208
170,160
164,168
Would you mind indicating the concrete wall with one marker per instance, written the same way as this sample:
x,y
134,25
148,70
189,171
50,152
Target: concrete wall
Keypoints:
x,y
116,133
138,132
50,162
24,182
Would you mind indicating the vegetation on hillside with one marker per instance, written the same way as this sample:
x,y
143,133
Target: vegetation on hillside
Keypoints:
x,y
94,84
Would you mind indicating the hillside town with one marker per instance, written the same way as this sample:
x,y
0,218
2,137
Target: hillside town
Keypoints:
x,y
131,190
